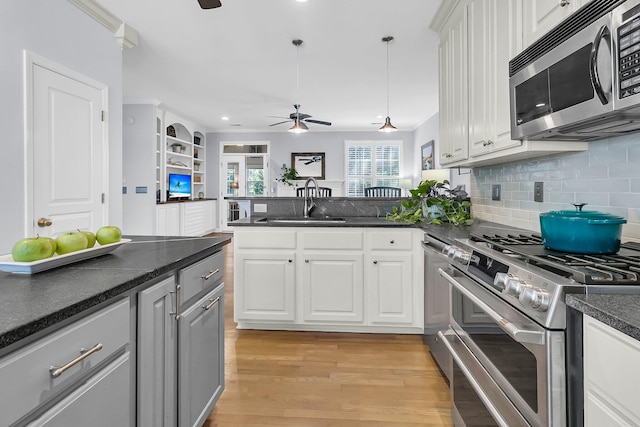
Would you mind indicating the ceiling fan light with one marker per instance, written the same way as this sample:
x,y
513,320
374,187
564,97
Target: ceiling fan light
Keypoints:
x,y
387,127
298,127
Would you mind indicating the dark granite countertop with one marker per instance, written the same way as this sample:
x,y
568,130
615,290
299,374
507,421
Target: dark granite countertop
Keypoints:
x,y
31,303
616,310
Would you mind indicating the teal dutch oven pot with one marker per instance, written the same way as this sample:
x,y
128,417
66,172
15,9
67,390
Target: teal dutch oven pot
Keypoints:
x,y
581,232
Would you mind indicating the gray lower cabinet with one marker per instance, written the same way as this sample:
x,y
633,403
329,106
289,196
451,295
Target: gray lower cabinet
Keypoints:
x,y
157,364
181,346
76,375
201,358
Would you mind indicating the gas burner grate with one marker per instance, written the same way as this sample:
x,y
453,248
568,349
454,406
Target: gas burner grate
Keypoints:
x,y
593,269
509,239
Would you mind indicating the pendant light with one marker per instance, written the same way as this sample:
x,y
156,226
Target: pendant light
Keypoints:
x,y
387,127
298,126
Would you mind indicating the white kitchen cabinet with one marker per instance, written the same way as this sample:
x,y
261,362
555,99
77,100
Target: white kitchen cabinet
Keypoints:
x,y
611,376
389,274
157,342
332,287
267,290
100,383
494,38
311,278
540,16
477,40
452,52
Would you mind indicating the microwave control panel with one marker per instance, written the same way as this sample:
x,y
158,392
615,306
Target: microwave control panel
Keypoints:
x,y
629,53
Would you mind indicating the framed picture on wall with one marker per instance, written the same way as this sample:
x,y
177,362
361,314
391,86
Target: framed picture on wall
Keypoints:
x,y
308,165
427,155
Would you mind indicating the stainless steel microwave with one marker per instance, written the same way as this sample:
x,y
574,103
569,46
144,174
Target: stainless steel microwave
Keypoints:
x,y
580,81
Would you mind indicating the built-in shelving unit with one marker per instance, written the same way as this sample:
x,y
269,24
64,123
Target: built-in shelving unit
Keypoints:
x,y
183,152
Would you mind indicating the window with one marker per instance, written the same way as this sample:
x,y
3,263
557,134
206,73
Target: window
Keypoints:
x,y
372,164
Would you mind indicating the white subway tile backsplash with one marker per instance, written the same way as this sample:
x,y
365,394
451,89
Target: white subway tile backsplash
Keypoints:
x,y
606,177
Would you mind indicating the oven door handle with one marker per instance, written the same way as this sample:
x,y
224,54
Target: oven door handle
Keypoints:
x,y
520,335
474,383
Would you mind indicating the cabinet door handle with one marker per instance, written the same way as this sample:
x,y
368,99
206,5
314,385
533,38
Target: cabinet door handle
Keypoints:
x,y
375,262
56,371
290,260
564,3
392,241
307,261
211,304
211,273
177,312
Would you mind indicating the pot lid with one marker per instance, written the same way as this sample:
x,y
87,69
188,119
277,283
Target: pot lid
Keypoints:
x,y
590,216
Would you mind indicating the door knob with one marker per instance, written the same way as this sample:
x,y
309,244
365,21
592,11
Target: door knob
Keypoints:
x,y
44,222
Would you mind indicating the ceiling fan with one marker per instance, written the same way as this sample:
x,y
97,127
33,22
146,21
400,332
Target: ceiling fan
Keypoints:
x,y
209,4
299,119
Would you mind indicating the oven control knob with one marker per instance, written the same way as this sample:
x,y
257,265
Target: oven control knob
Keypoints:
x,y
501,280
535,298
463,257
449,250
515,286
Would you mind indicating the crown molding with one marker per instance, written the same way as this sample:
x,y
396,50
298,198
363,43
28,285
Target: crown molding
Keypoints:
x,y
126,36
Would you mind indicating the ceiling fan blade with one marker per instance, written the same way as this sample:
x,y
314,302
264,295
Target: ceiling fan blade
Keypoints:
x,y
279,123
301,115
280,117
318,122
209,4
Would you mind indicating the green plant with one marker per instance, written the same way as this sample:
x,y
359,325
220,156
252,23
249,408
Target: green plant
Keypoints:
x,y
288,175
436,202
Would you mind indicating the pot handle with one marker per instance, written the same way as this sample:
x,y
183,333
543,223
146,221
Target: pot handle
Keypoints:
x,y
607,221
579,206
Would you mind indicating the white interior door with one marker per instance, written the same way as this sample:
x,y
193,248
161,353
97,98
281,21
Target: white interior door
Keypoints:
x,y
69,158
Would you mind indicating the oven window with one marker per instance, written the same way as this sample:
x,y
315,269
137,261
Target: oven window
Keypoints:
x,y
570,80
514,362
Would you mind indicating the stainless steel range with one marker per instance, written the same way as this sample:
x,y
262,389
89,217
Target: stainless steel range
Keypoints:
x,y
508,322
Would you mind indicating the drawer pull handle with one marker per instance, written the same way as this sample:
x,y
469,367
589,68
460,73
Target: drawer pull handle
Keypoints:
x,y
211,273
290,260
56,371
177,312
211,304
392,241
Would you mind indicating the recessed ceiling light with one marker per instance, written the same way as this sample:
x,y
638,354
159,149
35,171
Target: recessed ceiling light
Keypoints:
x,y
225,118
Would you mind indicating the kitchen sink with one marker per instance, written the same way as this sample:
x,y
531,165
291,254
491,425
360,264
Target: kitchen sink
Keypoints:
x,y
301,220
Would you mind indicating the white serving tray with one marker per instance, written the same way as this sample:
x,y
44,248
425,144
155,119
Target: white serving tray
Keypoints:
x,y
8,264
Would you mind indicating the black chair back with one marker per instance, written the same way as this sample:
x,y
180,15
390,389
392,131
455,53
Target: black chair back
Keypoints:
x,y
383,192
322,192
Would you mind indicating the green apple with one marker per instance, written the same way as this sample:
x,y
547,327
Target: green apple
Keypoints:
x,y
70,242
91,238
31,249
53,243
108,234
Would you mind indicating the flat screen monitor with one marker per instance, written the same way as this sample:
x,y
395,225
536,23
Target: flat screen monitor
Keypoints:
x,y
179,186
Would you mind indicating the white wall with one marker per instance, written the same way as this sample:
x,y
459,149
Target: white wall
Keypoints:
x,y
58,31
139,168
282,144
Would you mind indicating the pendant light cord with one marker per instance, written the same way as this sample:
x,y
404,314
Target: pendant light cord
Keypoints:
x,y
387,42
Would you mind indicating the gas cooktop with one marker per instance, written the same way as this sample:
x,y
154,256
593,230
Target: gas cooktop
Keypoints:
x,y
622,268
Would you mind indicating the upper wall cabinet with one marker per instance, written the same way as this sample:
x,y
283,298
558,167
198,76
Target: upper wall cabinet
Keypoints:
x,y
539,16
477,40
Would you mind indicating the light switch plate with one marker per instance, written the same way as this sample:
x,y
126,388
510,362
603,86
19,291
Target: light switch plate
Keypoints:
x,y
538,192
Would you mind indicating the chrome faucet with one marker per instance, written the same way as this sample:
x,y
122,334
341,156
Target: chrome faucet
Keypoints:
x,y
309,203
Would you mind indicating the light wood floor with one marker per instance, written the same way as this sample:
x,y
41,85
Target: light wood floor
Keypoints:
x,y
326,379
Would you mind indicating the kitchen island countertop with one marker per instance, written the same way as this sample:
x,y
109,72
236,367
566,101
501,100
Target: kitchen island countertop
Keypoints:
x,y
620,311
32,303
